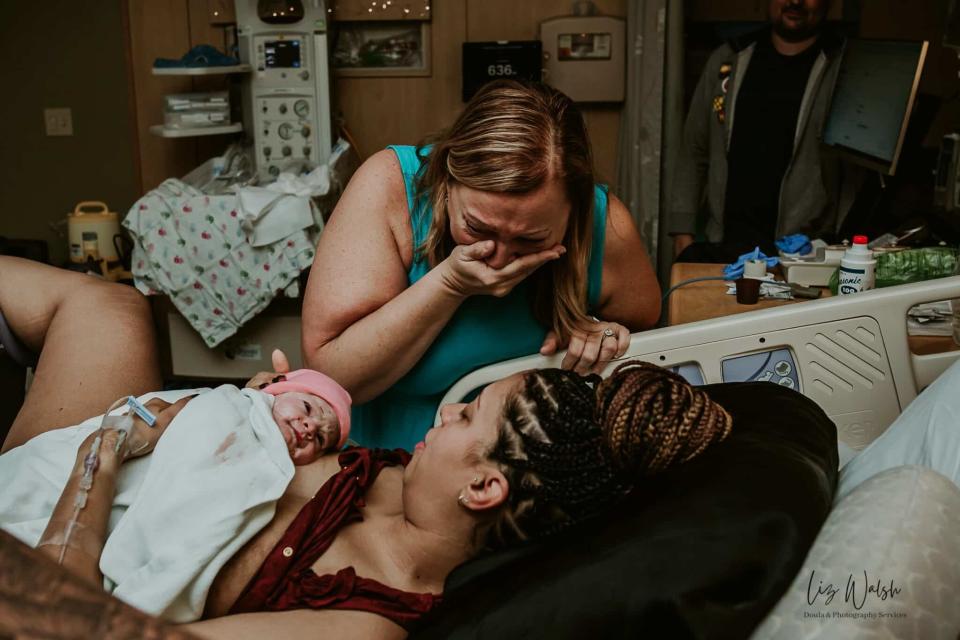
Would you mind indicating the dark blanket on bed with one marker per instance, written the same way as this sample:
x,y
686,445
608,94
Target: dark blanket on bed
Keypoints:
x,y
703,550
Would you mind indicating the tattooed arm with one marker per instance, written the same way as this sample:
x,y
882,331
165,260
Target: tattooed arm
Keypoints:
x,y
39,599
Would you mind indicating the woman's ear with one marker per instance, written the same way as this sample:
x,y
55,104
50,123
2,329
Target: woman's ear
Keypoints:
x,y
488,490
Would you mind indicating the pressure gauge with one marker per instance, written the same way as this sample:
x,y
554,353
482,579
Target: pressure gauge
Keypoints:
x,y
285,130
301,108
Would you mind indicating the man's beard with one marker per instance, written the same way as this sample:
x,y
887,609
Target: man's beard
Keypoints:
x,y
798,34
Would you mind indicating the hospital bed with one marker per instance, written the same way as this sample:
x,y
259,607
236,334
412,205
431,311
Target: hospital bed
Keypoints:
x,y
739,558
849,354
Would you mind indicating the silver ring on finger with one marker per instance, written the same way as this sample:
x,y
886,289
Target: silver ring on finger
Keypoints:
x,y
608,333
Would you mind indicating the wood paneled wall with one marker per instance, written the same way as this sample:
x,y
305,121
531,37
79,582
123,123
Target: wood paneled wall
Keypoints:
x,y
63,53
382,111
376,111
402,110
168,29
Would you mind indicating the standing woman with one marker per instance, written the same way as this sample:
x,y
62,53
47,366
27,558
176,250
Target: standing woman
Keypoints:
x,y
491,243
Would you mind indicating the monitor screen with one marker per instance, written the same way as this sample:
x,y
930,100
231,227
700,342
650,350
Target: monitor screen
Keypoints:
x,y
872,100
282,54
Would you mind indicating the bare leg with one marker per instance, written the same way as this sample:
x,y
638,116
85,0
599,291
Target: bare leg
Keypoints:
x,y
96,343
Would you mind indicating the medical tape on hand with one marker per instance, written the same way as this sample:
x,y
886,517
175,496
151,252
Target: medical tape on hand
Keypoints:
x,y
129,437
141,411
76,536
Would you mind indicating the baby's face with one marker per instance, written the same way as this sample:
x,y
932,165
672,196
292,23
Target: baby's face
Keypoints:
x,y
308,425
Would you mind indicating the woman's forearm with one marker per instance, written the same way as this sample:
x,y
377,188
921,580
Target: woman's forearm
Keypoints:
x,y
379,349
74,538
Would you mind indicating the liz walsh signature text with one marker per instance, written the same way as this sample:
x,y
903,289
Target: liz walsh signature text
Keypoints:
x,y
855,591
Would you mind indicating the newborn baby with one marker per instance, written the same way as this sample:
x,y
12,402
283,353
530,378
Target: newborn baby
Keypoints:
x,y
312,412
210,485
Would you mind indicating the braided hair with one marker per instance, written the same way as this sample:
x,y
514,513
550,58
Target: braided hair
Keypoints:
x,y
570,446
652,418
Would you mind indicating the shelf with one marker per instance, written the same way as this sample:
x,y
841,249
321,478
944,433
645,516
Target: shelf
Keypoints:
x,y
200,71
160,130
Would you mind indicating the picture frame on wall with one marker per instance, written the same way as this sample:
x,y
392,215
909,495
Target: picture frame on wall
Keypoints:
x,y
384,48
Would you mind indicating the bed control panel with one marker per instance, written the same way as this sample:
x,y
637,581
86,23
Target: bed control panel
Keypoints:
x,y
777,366
691,372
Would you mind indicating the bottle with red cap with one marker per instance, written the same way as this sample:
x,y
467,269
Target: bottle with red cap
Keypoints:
x,y
857,267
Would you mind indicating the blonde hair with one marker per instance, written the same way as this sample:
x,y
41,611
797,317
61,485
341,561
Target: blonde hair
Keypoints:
x,y
513,137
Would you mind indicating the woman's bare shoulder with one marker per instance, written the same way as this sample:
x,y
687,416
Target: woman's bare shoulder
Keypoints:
x,y
376,197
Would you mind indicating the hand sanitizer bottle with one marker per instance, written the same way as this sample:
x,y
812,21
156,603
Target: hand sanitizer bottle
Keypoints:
x,y
857,267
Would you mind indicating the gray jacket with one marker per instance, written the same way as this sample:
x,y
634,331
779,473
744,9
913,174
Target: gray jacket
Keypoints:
x,y
810,190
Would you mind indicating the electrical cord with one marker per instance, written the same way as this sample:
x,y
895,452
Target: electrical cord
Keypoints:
x,y
690,281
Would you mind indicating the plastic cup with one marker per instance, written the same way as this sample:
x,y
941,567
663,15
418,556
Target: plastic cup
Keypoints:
x,y
754,268
748,290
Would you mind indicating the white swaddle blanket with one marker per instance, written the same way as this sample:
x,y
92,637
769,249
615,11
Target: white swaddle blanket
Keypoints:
x,y
181,513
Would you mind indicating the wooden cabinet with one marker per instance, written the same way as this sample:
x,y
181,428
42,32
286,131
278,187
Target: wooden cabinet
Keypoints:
x,y
354,10
376,110
220,12
168,29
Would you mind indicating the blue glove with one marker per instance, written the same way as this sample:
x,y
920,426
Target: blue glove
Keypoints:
x,y
735,270
796,243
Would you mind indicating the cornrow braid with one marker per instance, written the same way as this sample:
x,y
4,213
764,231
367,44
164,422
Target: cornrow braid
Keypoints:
x,y
570,446
554,456
652,418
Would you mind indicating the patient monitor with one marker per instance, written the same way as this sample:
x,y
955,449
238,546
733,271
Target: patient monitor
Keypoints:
x,y
287,96
850,354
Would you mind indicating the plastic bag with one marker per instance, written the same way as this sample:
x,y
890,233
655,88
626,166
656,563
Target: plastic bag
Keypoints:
x,y
909,265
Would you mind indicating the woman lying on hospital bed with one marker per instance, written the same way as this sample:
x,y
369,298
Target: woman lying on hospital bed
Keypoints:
x,y
532,454
486,476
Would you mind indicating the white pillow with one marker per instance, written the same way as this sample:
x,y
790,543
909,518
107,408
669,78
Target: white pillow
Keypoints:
x,y
902,528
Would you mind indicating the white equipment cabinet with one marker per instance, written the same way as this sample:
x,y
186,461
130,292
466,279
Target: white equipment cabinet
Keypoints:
x,y
287,94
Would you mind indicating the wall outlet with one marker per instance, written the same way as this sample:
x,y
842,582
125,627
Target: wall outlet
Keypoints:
x,y
59,122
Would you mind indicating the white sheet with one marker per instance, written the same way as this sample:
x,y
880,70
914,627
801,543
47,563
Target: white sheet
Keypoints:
x,y
210,485
899,531
926,434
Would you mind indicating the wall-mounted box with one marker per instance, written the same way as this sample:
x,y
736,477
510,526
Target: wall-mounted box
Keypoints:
x,y
584,56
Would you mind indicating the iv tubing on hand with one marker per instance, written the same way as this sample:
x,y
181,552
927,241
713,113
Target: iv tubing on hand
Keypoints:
x,y
123,424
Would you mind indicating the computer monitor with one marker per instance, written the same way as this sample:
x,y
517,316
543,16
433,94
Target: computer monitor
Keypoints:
x,y
872,101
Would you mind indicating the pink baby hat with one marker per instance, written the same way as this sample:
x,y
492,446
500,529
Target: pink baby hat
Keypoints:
x,y
314,382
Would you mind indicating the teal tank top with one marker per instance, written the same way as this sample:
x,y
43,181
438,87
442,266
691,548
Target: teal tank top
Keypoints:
x,y
484,330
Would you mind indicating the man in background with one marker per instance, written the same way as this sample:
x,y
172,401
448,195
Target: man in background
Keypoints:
x,y
751,143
